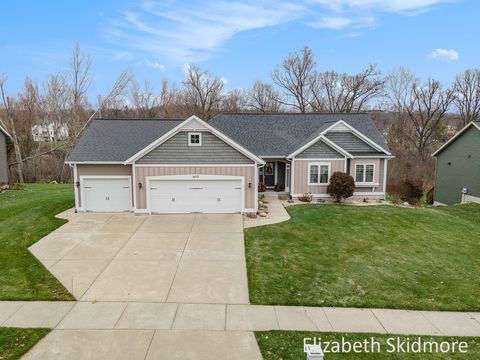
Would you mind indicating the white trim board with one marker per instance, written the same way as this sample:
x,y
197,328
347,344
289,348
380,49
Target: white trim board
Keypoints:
x,y
326,141
194,165
96,162
358,134
184,125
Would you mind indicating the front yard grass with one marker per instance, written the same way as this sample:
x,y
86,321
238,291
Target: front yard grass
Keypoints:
x,y
288,345
25,217
14,342
376,256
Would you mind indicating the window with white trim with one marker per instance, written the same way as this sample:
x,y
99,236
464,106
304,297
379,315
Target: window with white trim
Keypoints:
x,y
318,174
194,139
364,173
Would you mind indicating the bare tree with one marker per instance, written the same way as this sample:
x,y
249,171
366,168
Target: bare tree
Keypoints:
x,y
335,92
426,108
7,103
234,101
293,77
467,95
263,97
55,104
81,76
204,91
143,99
114,100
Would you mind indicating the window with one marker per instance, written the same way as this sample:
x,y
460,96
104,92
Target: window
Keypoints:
x,y
364,173
194,139
319,174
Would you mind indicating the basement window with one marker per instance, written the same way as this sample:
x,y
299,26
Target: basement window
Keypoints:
x,y
194,139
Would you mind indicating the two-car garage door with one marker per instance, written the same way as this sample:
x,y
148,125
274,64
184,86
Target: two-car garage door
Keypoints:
x,y
194,195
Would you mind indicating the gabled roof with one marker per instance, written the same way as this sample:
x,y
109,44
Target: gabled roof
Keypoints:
x,y
4,130
193,123
115,140
281,134
476,124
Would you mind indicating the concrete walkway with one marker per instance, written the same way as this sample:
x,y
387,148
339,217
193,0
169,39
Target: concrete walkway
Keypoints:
x,y
277,214
225,317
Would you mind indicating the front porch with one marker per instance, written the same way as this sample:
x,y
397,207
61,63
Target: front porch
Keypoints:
x,y
275,174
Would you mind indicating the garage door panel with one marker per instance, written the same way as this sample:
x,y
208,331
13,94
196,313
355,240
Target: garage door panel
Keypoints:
x,y
185,196
107,194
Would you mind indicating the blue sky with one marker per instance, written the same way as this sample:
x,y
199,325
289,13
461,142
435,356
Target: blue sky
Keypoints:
x,y
239,41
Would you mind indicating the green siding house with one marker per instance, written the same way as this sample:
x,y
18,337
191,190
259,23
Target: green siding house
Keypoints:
x,y
4,138
457,178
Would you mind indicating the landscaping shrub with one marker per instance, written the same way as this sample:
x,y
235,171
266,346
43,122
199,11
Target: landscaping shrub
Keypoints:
x,y
261,187
410,190
278,187
341,186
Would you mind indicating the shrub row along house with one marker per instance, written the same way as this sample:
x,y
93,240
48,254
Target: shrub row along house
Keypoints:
x,y
182,166
457,178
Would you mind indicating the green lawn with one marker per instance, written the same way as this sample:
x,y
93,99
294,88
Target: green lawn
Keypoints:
x,y
15,342
25,217
288,345
377,256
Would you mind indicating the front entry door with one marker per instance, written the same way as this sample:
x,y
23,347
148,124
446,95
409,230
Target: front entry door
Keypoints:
x,y
269,174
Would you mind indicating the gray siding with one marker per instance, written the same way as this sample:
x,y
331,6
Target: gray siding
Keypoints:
x,y
463,154
176,151
349,142
319,150
3,159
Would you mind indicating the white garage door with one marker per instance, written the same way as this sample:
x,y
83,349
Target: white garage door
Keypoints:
x,y
107,194
186,196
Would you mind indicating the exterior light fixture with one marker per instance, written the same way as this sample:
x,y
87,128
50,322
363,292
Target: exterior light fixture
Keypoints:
x,y
249,184
140,185
77,184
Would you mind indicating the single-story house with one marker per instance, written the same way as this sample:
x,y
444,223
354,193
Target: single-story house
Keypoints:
x,y
182,166
4,138
457,175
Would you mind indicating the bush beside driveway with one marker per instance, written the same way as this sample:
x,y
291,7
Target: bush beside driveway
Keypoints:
x,y
26,216
377,256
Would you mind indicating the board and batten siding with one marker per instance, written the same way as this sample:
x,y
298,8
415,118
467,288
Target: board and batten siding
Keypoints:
x,y
248,172
100,170
177,151
378,174
3,158
319,150
301,175
458,167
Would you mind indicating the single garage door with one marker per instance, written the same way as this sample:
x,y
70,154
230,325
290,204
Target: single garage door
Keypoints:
x,y
204,196
107,194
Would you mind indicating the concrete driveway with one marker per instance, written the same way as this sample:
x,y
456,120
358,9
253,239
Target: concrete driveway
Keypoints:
x,y
192,258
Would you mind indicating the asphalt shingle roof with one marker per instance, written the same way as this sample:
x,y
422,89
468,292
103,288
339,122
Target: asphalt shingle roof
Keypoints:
x,y
118,139
280,134
275,134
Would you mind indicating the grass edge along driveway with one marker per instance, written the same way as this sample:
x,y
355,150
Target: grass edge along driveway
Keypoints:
x,y
14,342
376,256
288,345
26,216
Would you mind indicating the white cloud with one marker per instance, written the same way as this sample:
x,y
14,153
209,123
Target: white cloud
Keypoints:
x,y
445,54
384,5
154,65
332,22
190,32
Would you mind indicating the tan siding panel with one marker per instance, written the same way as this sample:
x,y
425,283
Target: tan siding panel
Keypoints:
x,y
301,175
377,177
247,172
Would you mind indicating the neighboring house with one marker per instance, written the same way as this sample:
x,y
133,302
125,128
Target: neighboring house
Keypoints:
x,y
4,137
457,177
181,166
46,132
